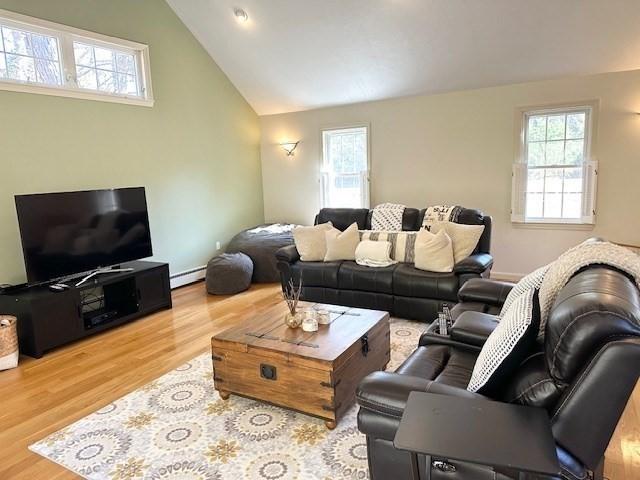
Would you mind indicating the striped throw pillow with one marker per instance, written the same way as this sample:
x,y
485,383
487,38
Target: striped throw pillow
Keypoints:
x,y
402,243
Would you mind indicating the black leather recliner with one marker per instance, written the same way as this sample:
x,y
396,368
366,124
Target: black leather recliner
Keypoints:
x,y
400,289
583,373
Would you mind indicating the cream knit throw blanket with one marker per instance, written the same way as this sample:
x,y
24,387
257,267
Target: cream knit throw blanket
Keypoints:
x,y
591,252
387,217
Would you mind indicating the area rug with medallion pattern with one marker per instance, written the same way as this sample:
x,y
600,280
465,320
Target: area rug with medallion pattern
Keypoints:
x,y
178,427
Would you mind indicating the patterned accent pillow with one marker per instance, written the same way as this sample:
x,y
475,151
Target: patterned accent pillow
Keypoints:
x,y
508,345
402,243
440,213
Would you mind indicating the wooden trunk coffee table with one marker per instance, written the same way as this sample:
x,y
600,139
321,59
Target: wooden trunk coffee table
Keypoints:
x,y
315,373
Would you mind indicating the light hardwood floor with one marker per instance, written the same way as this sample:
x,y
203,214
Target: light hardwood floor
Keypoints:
x,y
42,396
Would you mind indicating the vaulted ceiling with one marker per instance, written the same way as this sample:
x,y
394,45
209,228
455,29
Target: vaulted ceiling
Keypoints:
x,y
301,54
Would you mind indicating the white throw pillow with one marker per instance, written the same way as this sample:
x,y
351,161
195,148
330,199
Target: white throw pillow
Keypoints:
x,y
434,252
464,237
342,245
311,241
374,253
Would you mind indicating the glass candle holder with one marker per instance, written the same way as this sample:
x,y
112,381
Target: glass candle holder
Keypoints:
x,y
310,322
323,316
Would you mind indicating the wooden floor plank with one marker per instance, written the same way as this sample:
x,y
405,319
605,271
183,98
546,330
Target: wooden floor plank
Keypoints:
x,y
42,396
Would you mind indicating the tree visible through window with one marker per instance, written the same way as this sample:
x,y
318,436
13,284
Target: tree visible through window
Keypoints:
x,y
38,56
29,57
105,69
554,180
345,168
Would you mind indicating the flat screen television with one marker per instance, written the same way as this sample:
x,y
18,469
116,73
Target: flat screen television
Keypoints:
x,y
75,232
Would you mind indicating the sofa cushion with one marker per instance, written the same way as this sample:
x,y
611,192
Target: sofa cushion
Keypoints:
x,y
408,281
440,363
470,216
464,238
311,242
434,253
316,274
373,254
369,279
342,245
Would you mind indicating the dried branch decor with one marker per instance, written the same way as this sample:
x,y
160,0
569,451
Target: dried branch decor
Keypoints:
x,y
291,295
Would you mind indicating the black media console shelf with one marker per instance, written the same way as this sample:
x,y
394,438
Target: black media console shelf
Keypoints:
x,y
49,319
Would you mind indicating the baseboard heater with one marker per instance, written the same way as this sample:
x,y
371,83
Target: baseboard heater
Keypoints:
x,y
188,276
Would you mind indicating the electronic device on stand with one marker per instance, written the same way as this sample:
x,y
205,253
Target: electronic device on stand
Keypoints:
x,y
82,254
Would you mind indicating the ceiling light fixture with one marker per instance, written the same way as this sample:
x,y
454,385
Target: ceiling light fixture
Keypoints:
x,y
241,15
289,147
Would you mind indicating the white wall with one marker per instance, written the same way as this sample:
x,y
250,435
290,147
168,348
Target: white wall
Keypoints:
x,y
457,148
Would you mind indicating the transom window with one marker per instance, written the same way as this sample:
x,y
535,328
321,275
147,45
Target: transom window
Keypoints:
x,y
37,56
29,57
345,168
554,178
105,69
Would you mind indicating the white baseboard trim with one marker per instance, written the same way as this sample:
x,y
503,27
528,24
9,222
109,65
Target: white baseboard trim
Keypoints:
x,y
188,276
506,276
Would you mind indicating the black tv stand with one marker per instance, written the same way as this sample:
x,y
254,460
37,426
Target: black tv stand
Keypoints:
x,y
49,319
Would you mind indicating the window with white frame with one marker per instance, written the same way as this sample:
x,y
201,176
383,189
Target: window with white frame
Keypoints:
x,y
37,56
345,168
555,175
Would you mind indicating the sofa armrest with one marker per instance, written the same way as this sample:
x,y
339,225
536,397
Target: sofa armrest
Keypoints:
x,y
387,393
473,328
288,254
481,290
476,263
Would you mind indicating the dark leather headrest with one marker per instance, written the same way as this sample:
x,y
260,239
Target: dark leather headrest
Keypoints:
x,y
410,219
598,305
471,216
341,218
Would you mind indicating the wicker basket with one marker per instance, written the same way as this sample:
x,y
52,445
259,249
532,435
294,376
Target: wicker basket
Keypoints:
x,y
8,342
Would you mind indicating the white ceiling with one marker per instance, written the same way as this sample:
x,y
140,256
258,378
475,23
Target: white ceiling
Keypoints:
x,y
300,54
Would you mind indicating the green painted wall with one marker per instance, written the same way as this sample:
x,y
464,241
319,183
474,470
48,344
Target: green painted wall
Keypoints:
x,y
196,151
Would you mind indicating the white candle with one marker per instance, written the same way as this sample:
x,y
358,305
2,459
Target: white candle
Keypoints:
x,y
310,324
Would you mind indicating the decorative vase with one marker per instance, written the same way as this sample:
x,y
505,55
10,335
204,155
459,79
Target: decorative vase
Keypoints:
x,y
293,320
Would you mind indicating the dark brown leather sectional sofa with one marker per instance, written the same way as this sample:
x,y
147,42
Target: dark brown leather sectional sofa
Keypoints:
x,y
400,289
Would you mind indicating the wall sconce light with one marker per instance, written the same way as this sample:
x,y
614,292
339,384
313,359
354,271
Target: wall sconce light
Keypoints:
x,y
289,147
241,15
